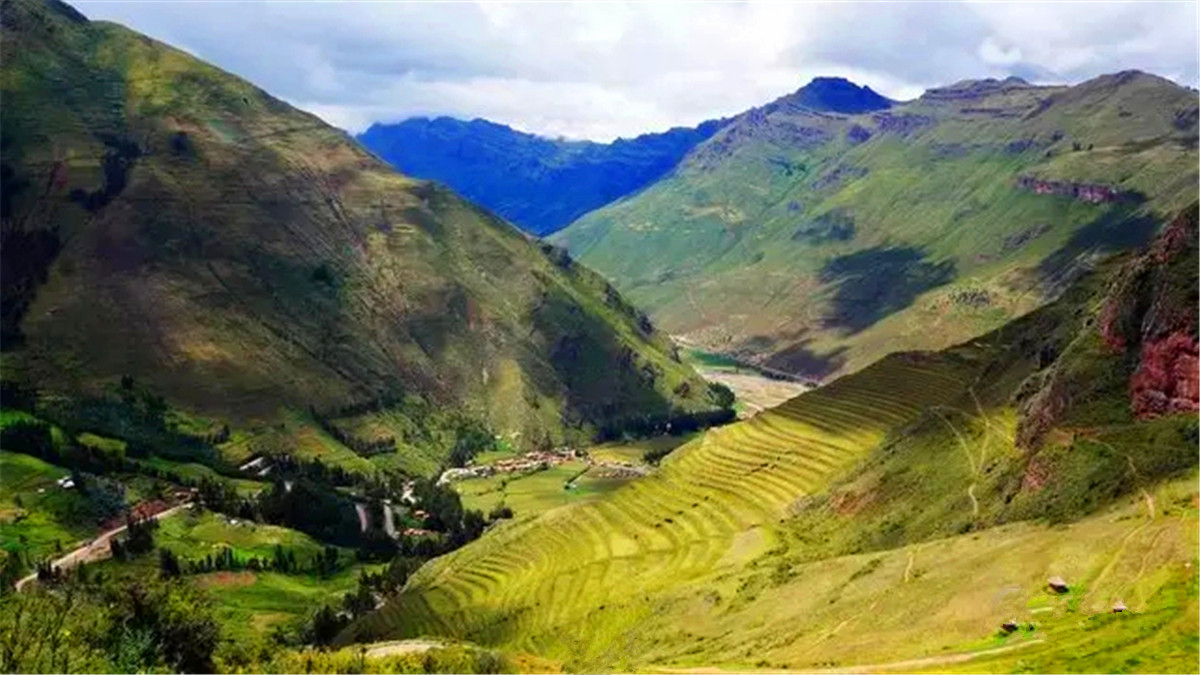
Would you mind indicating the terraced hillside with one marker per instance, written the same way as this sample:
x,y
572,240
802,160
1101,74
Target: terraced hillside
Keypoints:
x,y
711,508
166,222
815,242
898,513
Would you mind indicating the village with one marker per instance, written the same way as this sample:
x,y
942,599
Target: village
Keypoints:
x,y
539,460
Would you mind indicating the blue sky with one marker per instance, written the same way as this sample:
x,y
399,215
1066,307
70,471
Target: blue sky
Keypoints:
x,y
600,70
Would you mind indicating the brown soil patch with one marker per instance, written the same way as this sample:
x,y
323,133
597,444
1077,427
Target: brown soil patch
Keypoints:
x,y
225,579
850,503
1035,476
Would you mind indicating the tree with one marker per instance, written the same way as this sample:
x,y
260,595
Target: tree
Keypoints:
x,y
168,563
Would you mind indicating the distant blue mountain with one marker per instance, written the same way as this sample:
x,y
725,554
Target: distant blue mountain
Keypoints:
x,y
541,185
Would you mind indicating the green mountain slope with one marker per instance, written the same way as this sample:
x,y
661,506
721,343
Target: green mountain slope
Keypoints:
x,y
901,512
816,243
166,221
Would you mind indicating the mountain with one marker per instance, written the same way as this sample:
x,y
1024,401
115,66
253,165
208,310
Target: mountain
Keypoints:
x,y
538,183
171,228
908,516
837,95
815,242
543,185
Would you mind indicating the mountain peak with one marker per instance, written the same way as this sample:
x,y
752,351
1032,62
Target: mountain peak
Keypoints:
x,y
837,94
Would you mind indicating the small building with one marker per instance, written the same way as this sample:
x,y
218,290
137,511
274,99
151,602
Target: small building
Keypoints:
x,y
1119,607
1058,585
1010,626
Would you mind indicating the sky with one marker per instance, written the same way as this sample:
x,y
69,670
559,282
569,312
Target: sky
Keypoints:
x,y
600,70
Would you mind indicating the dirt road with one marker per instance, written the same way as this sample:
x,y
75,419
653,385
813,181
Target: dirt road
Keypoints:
x,y
380,649
96,549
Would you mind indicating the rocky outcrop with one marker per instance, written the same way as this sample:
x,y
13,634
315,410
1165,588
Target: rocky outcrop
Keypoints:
x,y
1168,377
1148,322
901,124
1151,307
1093,193
975,89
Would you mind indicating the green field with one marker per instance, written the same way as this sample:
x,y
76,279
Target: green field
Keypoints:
x,y
526,494
198,472
37,516
250,603
198,533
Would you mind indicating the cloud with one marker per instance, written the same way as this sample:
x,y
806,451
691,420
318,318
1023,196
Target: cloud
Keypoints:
x,y
601,70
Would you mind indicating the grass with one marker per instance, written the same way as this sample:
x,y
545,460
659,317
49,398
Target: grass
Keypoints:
x,y
528,494
197,534
535,493
197,472
634,451
249,604
708,509
36,516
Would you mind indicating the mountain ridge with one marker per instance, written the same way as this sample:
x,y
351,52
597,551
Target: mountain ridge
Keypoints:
x,y
281,266
539,183
761,244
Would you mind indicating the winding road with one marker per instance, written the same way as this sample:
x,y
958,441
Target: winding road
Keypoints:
x,y
96,549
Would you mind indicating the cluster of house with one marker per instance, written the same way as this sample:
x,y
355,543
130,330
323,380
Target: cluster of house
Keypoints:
x,y
531,461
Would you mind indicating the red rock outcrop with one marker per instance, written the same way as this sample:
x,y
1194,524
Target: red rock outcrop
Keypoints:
x,y
1168,376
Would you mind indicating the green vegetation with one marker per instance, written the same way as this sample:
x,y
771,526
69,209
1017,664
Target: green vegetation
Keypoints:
x,y
817,243
37,516
900,513
197,534
321,304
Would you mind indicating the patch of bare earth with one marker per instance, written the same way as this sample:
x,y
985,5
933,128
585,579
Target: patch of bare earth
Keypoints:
x,y
755,392
225,579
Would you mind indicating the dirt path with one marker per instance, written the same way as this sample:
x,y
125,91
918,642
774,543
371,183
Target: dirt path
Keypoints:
x,y
96,549
913,664
902,666
962,441
378,650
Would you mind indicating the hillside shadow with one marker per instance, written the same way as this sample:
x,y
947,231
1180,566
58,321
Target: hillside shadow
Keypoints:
x,y
603,381
800,359
1117,229
875,282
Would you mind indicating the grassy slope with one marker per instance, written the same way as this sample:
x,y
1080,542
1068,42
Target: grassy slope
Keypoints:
x,y
739,248
243,259
889,515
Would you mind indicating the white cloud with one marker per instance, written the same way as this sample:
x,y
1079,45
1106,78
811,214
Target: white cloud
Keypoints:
x,y
994,54
601,69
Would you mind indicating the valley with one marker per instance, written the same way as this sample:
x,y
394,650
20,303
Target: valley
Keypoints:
x,y
842,383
